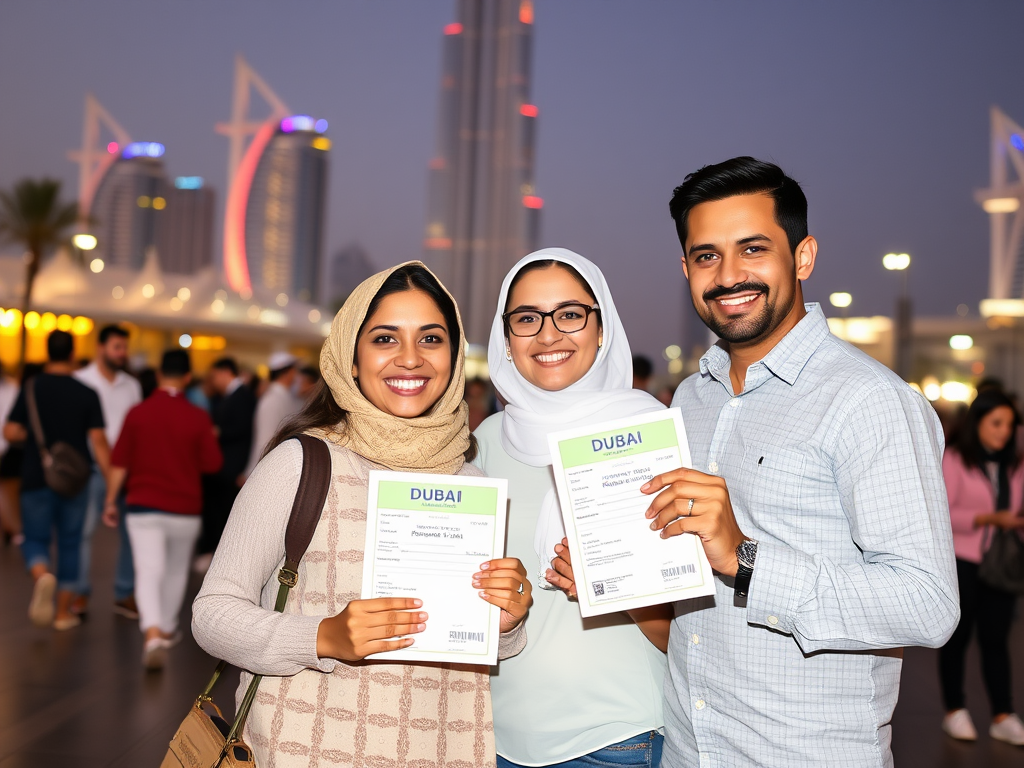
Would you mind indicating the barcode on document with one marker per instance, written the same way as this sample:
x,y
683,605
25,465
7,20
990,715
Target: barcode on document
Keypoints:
x,y
678,570
477,637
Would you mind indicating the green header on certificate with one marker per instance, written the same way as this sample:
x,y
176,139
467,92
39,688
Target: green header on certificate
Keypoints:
x,y
446,497
627,441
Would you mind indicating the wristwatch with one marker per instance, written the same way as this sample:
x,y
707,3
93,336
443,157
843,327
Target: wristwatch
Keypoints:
x,y
746,553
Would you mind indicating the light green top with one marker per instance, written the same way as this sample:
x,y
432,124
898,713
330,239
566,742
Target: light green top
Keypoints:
x,y
580,684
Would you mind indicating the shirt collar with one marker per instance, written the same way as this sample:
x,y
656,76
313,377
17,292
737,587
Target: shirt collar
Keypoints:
x,y
787,358
235,384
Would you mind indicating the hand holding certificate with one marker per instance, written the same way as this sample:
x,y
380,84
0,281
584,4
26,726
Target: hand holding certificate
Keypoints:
x,y
426,538
619,563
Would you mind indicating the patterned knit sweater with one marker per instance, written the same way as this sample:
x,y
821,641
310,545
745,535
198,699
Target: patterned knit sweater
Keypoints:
x,y
321,712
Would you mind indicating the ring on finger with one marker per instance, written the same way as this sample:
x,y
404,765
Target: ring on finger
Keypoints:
x,y
521,587
689,507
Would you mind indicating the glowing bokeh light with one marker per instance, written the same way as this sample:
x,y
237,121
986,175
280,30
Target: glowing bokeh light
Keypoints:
x,y
148,291
48,322
896,261
176,303
84,241
118,292
453,29
840,299
112,148
314,315
321,126
217,306
322,143
143,149
96,265
1017,142
189,182
961,341
955,391
672,352
532,201
282,299
143,201
184,294
159,203
32,320
185,340
528,110
82,326
64,322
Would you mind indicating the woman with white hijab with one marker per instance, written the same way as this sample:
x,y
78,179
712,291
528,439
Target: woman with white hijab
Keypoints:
x,y
583,690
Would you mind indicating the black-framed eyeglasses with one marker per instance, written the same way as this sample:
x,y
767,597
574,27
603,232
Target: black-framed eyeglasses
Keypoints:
x,y
568,318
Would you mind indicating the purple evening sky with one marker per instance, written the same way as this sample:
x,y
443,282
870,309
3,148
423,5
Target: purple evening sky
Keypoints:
x,y
879,109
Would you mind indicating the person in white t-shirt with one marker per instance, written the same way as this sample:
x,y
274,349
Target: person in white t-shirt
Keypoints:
x,y
275,406
119,393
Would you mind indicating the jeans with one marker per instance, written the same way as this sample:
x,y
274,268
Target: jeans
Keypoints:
x,y
991,611
124,575
643,750
43,511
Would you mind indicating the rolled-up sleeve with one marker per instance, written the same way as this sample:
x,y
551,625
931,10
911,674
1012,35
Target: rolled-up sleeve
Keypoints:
x,y
903,588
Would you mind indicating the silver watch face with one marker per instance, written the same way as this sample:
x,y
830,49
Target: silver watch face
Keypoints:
x,y
746,553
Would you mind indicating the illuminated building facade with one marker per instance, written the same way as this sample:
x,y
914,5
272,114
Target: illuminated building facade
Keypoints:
x,y
1003,202
284,217
184,232
128,201
483,212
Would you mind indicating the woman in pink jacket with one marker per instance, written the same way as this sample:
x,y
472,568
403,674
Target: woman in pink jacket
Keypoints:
x,y
985,484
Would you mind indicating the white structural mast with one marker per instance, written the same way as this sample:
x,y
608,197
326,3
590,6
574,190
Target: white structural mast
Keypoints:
x,y
1004,202
95,158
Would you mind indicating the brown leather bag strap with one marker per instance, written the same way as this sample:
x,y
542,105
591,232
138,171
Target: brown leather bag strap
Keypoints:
x,y
33,418
314,484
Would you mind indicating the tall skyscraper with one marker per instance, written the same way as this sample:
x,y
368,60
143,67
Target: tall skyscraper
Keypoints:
x,y
349,267
284,212
184,233
483,211
128,201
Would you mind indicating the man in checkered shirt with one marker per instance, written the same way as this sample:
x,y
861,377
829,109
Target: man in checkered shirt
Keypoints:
x,y
817,492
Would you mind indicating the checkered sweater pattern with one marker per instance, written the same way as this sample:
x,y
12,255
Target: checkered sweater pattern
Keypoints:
x,y
322,712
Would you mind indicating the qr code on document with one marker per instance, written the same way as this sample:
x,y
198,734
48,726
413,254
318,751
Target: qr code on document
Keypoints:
x,y
598,588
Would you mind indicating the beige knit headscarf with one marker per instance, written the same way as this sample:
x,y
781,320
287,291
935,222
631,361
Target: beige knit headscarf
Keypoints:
x,y
434,442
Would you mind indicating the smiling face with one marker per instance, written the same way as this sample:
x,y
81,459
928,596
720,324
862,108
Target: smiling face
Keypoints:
x,y
743,276
553,360
403,359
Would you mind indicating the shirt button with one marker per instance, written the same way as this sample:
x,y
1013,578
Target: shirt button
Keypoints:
x,y
699,704
695,639
713,467
773,620
734,403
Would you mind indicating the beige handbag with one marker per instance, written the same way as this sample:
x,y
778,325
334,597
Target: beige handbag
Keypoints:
x,y
205,739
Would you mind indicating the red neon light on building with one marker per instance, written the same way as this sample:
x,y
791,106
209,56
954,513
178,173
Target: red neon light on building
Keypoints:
x,y
236,264
529,110
437,243
453,29
532,201
526,12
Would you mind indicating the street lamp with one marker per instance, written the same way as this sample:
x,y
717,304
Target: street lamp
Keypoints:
x,y
900,262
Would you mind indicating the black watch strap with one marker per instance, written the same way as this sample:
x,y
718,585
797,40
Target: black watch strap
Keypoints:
x,y
746,553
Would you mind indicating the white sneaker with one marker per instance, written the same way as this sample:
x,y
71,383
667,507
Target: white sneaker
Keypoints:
x,y
959,725
154,654
1010,730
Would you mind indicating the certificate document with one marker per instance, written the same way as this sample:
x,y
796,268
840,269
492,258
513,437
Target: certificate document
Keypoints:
x,y
426,535
619,563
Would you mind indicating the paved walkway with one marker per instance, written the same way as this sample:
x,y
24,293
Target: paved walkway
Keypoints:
x,y
80,699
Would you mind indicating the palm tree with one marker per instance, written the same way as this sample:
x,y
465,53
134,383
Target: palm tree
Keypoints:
x,y
34,216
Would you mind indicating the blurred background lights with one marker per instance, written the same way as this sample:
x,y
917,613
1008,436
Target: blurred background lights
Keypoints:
x,y
282,299
1017,142
217,306
321,125
675,366
896,261
321,143
64,322
840,299
143,149
184,294
84,241
118,292
112,147
148,291
185,340
955,391
159,203
960,341
1001,205
48,322
314,315
672,352
31,320
176,303
189,182
96,265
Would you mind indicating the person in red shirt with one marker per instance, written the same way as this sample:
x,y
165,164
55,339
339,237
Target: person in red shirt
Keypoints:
x,y
165,447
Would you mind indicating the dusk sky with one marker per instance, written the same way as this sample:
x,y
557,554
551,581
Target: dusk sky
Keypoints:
x,y
879,108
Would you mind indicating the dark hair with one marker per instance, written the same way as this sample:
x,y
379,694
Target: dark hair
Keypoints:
x,y
60,346
275,375
742,176
966,441
642,366
311,372
322,410
533,266
111,330
226,364
175,363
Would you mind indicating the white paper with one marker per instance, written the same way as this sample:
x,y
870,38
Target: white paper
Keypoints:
x,y
426,535
619,563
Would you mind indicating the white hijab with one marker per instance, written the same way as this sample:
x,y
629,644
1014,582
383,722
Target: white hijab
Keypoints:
x,y
605,392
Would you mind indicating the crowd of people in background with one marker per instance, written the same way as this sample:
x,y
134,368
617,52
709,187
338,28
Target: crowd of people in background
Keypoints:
x,y
168,498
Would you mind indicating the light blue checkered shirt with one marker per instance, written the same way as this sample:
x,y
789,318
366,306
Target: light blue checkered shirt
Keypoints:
x,y
834,466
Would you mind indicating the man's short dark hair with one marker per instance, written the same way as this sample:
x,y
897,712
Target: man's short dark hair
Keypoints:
x,y
275,375
642,366
311,372
111,330
60,346
743,176
227,364
175,364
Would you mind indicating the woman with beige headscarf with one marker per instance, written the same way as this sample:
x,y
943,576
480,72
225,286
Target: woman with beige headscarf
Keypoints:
x,y
391,398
